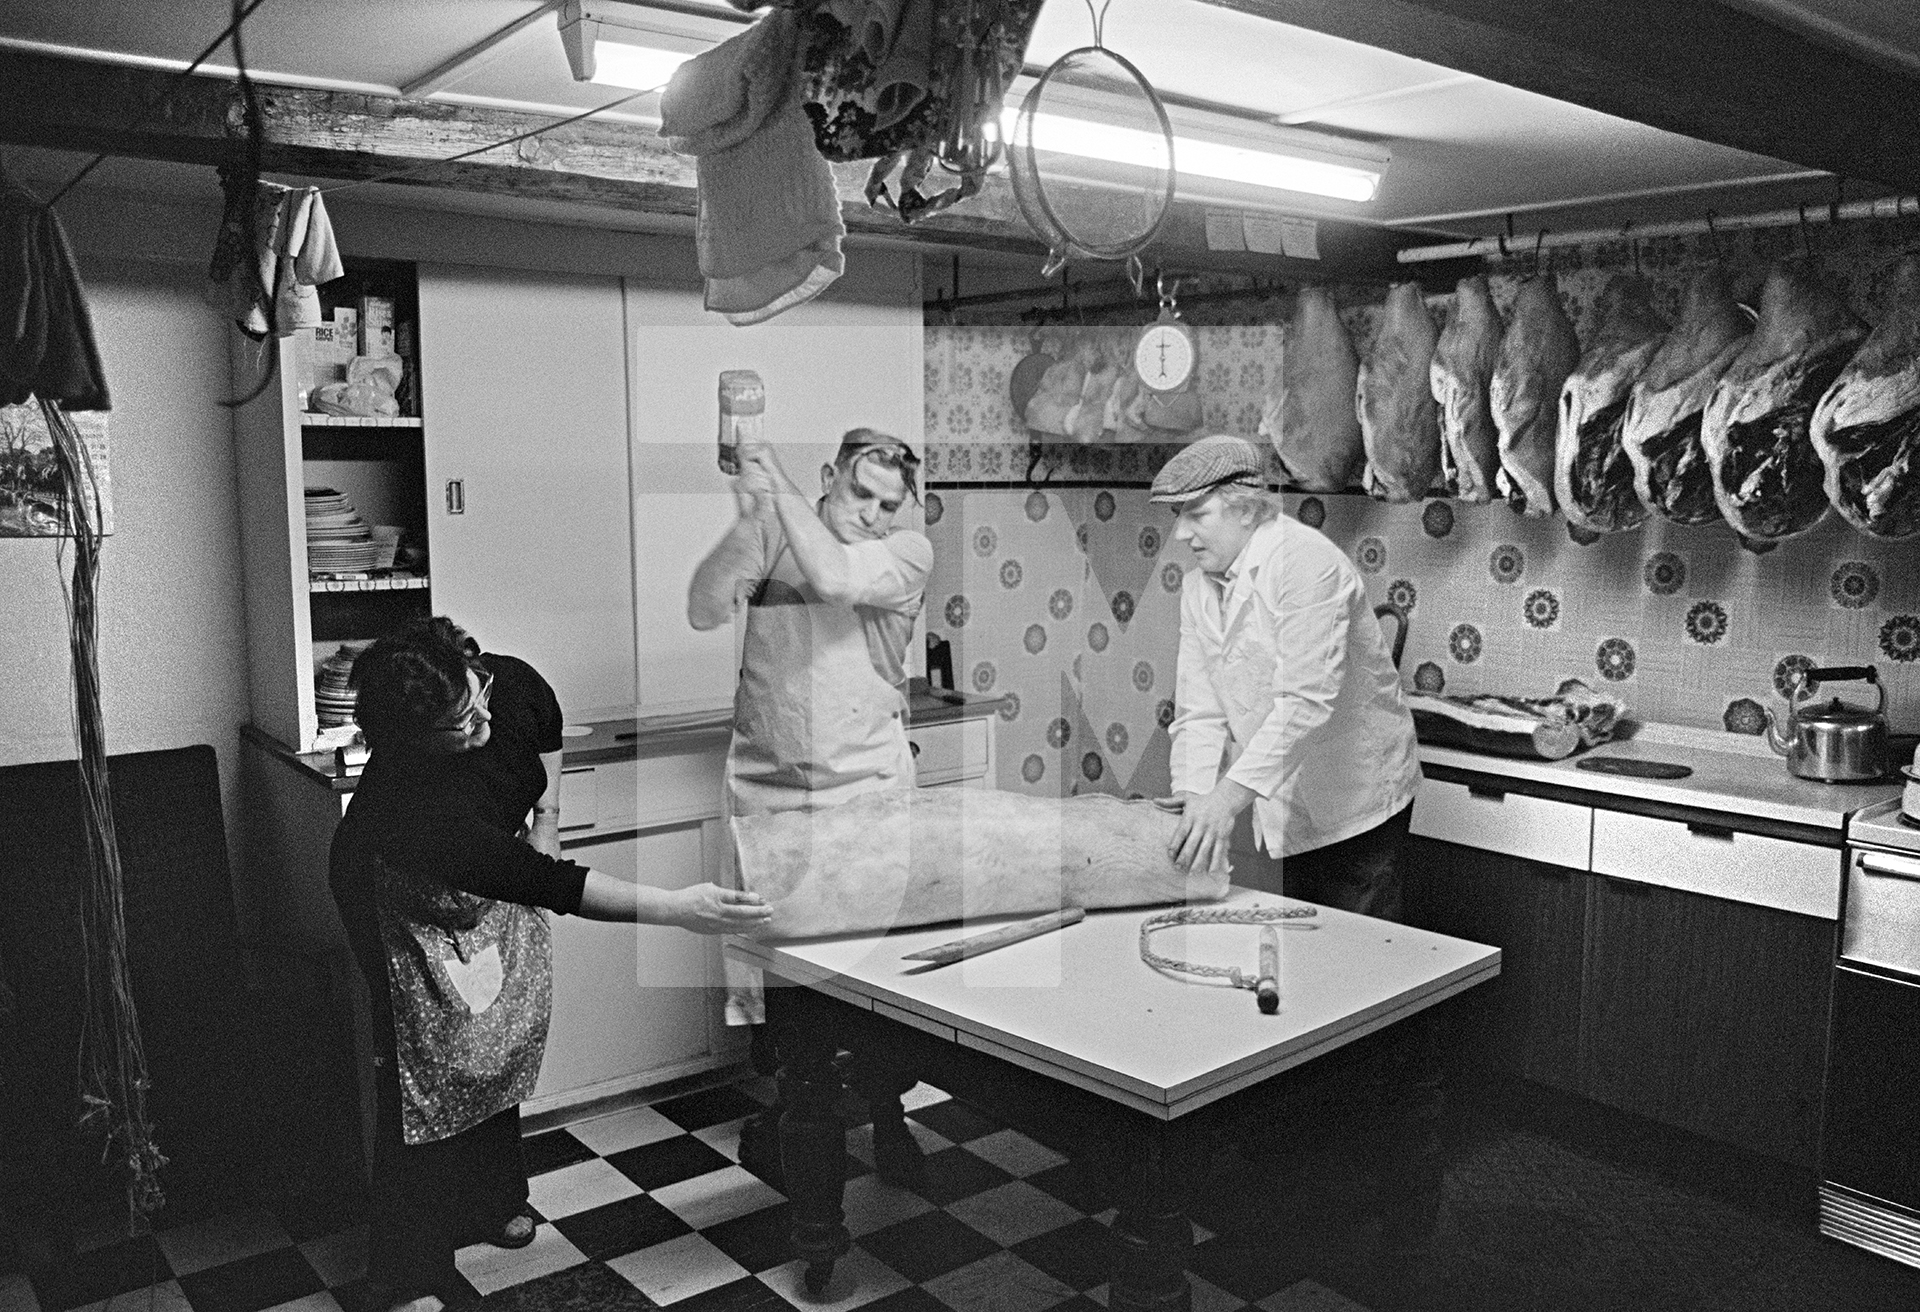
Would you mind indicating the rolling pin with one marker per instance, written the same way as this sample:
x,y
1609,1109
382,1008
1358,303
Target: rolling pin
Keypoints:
x,y
946,954
1267,990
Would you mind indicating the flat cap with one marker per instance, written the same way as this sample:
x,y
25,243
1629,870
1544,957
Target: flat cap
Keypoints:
x,y
1207,464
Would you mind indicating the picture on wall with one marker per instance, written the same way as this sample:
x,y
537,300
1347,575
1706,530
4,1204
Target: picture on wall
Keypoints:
x,y
32,501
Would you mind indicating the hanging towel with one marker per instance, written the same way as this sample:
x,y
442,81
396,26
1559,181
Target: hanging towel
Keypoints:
x,y
769,228
265,279
46,335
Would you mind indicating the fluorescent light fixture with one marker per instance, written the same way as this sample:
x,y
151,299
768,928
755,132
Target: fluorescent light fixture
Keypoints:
x,y
628,45
1251,155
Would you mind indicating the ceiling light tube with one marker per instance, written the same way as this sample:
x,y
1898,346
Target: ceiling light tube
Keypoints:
x,y
625,45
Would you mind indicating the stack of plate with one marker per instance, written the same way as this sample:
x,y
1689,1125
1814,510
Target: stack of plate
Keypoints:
x,y
338,540
331,695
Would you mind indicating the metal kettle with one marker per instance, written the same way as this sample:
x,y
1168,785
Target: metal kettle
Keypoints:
x,y
1836,742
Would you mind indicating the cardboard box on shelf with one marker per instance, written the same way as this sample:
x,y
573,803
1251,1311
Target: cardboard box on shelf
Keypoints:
x,y
376,325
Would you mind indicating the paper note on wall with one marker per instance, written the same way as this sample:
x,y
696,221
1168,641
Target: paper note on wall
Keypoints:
x,y
1296,238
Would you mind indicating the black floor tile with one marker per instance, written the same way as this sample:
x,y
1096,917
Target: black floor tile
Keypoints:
x,y
621,1227
1078,1255
589,1287
359,1296
1250,1266
911,1299
743,1295
553,1150
697,1111
315,1216
928,1245
656,1165
955,1120
252,1283
1075,1185
758,1241
101,1273
955,1173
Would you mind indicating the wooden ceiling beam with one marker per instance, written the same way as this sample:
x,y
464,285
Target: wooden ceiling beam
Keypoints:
x,y
71,104
1692,67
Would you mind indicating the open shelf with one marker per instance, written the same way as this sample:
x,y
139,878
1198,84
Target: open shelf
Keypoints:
x,y
390,583
309,420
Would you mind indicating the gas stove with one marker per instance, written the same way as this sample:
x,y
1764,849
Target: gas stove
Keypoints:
x,y
1883,825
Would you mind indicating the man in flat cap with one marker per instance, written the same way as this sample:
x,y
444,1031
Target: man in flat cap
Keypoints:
x,y
1282,668
1285,678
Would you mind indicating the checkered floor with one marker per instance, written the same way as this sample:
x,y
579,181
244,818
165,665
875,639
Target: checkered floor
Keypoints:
x,y
649,1208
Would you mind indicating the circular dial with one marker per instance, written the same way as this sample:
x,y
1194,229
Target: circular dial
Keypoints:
x,y
1163,357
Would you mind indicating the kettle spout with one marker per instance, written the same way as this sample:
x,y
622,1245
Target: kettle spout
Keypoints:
x,y
1778,737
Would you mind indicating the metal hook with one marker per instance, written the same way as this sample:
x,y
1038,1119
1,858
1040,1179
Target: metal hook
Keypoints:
x,y
1136,274
1633,244
1806,243
1839,193
1713,235
1539,240
1099,23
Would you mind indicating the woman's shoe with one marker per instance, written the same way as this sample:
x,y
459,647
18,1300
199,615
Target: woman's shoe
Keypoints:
x,y
517,1232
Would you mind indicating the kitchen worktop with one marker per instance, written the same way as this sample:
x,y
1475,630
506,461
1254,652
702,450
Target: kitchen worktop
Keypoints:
x,y
1733,775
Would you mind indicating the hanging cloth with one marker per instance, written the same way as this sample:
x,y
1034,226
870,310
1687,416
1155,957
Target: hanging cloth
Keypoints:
x,y
46,335
275,247
769,227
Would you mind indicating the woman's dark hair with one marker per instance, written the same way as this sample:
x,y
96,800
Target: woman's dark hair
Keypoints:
x,y
410,682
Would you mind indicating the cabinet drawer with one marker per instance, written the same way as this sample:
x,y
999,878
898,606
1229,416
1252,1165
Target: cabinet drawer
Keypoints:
x,y
1883,912
1536,828
945,753
642,794
1750,868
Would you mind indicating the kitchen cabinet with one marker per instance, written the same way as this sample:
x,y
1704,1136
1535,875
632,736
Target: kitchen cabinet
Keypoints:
x,y
1671,966
524,376
954,754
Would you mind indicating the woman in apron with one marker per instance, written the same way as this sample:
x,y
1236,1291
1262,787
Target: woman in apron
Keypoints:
x,y
439,899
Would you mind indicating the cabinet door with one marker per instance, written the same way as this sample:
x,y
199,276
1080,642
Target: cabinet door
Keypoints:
x,y
1526,1022
630,1002
524,390
1707,1014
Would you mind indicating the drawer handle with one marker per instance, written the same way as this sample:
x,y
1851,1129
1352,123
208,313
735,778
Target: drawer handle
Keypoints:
x,y
1706,830
1898,867
1487,792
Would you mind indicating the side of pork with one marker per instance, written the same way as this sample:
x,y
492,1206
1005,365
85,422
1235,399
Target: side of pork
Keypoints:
x,y
1592,475
1767,477
1462,370
1537,353
1662,430
1309,415
1866,428
1399,420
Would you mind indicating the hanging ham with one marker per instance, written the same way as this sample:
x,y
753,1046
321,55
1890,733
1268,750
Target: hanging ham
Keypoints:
x,y
1460,375
1537,353
1592,476
1399,421
1866,429
1662,430
1766,475
1309,415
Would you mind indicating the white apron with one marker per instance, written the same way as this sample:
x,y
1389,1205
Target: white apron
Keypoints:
x,y
814,722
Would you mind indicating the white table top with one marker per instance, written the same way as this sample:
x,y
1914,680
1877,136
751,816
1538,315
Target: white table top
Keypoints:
x,y
1080,1004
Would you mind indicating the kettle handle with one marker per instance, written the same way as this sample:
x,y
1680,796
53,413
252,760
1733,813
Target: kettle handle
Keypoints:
x,y
1810,680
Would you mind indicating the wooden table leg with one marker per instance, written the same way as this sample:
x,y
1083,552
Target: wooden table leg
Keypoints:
x,y
1152,1237
813,1139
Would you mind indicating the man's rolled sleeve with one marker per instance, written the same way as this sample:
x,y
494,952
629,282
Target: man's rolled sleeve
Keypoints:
x,y
891,572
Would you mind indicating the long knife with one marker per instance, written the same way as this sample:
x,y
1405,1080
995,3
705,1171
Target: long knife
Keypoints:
x,y
946,954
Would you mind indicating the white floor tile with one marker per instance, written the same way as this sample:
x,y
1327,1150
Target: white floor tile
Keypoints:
x,y
1308,1296
872,1204
338,1259
221,1239
164,1297
321,1302
489,1268
620,1131
922,1095
578,1188
858,1279
1014,1153
16,1295
717,1196
1208,1297
723,1138
1013,1212
677,1269
999,1282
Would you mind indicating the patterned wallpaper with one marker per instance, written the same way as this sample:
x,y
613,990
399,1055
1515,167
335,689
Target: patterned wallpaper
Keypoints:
x,y
1067,596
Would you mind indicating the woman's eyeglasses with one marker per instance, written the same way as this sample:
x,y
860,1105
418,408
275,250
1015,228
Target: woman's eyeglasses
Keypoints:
x,y
476,708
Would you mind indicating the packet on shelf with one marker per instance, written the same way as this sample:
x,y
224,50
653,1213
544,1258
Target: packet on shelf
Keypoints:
x,y
367,392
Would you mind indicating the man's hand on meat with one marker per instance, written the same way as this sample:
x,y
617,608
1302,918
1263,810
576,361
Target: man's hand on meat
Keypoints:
x,y
1202,838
